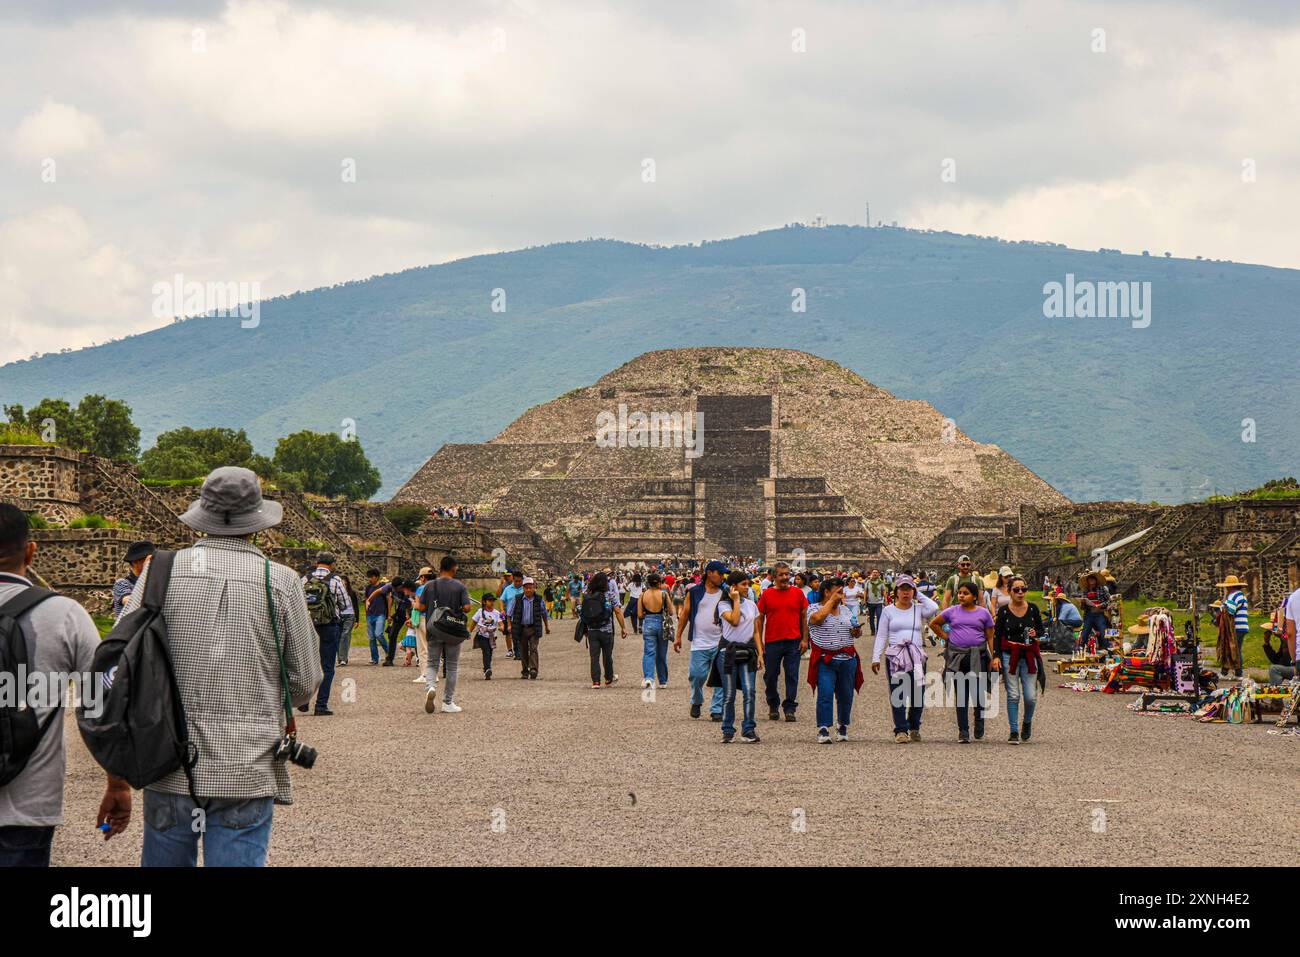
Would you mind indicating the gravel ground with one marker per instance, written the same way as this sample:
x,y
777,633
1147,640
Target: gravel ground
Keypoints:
x,y
582,776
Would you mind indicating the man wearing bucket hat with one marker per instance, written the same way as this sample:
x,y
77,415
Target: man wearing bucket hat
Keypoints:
x,y
227,609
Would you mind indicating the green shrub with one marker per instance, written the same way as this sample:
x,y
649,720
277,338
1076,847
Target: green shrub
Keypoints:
x,y
37,520
405,518
95,521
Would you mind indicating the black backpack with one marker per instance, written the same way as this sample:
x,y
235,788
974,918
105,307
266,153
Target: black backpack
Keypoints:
x,y
140,733
593,611
20,732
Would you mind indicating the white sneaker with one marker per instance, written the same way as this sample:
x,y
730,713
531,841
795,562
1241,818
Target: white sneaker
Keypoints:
x,y
418,681
431,701
647,683
842,735
450,707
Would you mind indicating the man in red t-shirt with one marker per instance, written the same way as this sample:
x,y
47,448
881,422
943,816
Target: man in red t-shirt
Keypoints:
x,y
783,628
669,581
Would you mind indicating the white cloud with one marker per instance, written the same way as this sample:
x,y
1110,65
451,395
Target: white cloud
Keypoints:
x,y
225,164
56,130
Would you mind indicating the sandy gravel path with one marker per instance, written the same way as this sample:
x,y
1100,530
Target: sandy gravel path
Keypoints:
x,y
569,775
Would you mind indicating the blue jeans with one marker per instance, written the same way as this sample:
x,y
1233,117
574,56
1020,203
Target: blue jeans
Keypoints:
x,y
25,846
778,654
873,615
906,699
1094,621
835,685
235,831
654,659
1021,684
969,690
743,677
701,665
375,625
329,649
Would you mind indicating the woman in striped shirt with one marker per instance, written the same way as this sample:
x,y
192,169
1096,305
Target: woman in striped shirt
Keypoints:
x,y
899,639
834,669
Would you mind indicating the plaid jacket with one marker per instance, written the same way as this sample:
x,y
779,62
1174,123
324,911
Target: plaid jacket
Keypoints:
x,y
227,667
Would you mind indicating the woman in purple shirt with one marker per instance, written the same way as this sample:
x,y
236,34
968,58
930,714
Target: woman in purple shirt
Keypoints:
x,y
967,654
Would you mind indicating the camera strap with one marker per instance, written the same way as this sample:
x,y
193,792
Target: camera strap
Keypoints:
x,y
290,726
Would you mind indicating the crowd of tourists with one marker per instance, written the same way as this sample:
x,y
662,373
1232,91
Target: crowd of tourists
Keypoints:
x,y
252,640
462,513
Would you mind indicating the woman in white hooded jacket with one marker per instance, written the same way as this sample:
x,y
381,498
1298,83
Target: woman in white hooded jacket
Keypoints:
x,y
899,638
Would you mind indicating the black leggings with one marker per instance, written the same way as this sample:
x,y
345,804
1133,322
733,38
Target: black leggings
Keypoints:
x,y
601,645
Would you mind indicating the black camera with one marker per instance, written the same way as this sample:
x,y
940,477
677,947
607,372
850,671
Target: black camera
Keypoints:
x,y
292,749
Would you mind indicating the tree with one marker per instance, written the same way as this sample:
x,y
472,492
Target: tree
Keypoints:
x,y
97,424
327,465
107,429
406,518
198,450
54,420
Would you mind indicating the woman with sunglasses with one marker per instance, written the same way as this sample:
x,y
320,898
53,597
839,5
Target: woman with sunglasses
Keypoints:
x,y
1017,629
898,637
966,656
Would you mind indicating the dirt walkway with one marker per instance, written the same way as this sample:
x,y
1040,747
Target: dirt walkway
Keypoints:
x,y
569,775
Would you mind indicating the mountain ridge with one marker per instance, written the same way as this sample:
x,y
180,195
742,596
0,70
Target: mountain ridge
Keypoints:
x,y
953,320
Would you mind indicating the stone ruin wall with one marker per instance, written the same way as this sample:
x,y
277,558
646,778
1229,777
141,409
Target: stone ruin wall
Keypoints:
x,y
62,484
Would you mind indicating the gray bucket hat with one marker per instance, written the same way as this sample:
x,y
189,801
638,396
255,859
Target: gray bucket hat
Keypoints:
x,y
231,503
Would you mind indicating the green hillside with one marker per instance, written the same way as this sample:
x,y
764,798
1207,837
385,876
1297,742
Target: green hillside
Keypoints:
x,y
1098,408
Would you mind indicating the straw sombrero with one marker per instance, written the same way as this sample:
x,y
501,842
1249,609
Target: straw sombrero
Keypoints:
x,y
990,580
1268,626
1143,626
1100,575
1232,581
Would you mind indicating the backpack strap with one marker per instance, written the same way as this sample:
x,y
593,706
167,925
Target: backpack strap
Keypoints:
x,y
160,576
25,601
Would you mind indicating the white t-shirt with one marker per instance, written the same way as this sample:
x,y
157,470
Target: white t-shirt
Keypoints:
x,y
745,630
634,591
1293,614
853,596
487,622
707,632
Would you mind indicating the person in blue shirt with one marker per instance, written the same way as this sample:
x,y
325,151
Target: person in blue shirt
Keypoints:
x,y
508,595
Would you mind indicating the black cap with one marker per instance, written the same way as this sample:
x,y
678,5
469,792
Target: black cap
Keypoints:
x,y
139,551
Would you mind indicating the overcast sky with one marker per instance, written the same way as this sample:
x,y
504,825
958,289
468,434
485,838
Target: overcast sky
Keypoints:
x,y
144,139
